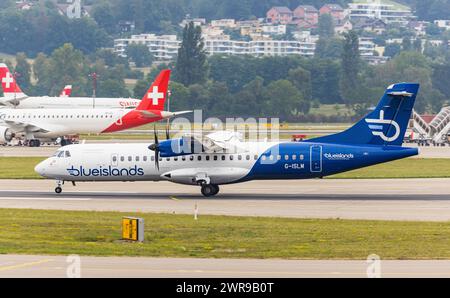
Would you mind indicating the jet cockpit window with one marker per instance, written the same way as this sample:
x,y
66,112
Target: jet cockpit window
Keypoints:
x,y
68,154
61,154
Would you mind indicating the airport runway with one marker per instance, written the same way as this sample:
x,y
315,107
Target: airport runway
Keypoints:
x,y
46,151
57,266
404,199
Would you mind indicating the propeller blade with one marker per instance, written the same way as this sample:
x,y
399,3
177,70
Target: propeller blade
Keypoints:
x,y
168,130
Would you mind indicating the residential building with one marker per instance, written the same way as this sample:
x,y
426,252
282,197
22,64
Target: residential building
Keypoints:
x,y
274,29
419,27
376,26
343,27
196,21
280,15
306,14
164,47
444,24
224,23
335,10
388,13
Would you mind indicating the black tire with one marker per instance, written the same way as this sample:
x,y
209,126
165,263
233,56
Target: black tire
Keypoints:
x,y
216,189
58,190
210,190
207,190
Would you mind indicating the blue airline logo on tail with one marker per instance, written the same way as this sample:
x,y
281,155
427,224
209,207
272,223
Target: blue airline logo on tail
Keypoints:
x,y
376,125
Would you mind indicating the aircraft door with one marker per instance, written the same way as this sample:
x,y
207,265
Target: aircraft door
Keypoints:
x,y
316,159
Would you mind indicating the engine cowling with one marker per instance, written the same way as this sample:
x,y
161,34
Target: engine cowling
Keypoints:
x,y
6,135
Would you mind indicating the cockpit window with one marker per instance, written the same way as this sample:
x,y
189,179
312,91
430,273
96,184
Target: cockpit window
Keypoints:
x,y
59,154
68,154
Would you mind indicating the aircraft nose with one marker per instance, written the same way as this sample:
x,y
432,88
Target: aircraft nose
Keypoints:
x,y
41,168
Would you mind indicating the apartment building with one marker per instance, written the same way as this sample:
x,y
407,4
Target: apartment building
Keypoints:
x,y
163,47
388,13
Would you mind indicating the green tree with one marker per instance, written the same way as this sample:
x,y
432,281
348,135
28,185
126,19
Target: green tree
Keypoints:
x,y
282,99
23,69
301,78
192,65
350,84
326,26
140,55
392,50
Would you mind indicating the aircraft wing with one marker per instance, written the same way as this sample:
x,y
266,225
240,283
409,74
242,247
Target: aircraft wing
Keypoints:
x,y
19,126
221,141
9,101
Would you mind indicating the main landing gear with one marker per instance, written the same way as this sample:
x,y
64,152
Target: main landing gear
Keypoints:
x,y
34,143
210,190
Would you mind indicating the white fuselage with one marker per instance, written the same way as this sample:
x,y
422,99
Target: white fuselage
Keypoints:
x,y
53,123
45,102
135,162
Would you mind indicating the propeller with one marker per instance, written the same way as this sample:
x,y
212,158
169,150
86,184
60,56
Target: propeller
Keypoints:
x,y
168,129
155,147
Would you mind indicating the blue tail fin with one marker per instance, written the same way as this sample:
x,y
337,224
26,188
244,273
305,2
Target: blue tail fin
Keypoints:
x,y
386,125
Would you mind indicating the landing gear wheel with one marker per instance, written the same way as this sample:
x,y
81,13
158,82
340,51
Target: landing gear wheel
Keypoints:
x,y
58,190
209,190
34,143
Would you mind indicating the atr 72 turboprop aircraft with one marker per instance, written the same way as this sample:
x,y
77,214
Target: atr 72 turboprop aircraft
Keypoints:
x,y
222,158
49,124
15,98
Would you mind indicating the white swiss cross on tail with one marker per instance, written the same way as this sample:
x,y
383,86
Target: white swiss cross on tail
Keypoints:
x,y
155,95
8,80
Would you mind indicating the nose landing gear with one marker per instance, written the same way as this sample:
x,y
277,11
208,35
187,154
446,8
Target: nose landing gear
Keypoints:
x,y
59,185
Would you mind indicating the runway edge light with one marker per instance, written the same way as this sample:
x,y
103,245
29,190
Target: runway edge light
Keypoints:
x,y
133,229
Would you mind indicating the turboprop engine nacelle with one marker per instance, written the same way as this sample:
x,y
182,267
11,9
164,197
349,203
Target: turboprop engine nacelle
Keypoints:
x,y
179,147
6,135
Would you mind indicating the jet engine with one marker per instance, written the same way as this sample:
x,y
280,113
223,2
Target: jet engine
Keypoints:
x,y
6,135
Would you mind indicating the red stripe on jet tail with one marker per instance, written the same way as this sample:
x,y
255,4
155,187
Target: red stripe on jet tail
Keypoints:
x,y
131,120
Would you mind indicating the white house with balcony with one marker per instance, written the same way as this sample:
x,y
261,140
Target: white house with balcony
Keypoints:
x,y
377,9
163,47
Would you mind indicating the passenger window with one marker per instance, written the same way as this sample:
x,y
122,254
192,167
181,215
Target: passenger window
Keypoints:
x,y
294,157
199,158
215,157
168,158
130,158
247,157
122,158
207,157
175,159
183,158
278,157
223,157
286,157
302,157
239,157
144,158
263,157
255,157
231,157
271,157
114,158
137,158
152,158
191,158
